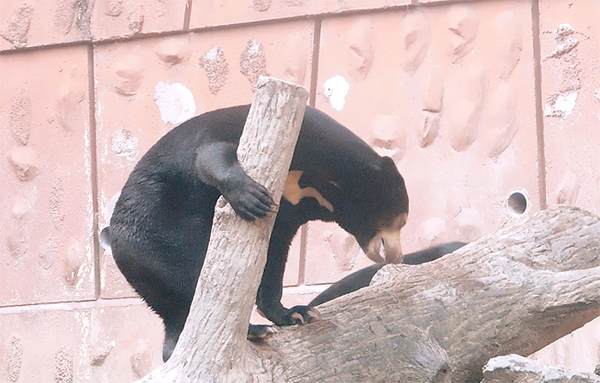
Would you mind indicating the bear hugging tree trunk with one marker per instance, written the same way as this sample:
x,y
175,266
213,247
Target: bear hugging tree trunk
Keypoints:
x,y
214,347
514,291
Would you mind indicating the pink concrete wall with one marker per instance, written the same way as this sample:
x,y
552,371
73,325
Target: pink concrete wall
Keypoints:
x,y
475,101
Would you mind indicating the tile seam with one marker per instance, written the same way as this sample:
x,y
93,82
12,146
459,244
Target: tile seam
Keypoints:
x,y
314,69
187,15
539,114
71,305
314,77
94,170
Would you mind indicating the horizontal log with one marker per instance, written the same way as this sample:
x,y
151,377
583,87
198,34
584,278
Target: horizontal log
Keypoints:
x,y
514,291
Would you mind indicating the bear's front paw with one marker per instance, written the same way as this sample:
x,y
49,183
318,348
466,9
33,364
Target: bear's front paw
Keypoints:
x,y
301,315
249,199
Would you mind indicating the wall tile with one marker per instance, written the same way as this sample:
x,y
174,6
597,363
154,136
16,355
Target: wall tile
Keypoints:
x,y
63,343
570,58
570,41
46,204
292,267
112,283
41,22
118,18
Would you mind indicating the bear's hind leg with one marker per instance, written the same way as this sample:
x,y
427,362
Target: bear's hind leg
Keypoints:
x,y
173,328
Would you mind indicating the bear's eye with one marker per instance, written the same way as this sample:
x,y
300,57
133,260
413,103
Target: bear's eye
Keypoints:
x,y
395,223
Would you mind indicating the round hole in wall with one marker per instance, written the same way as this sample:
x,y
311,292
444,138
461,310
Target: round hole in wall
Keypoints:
x,y
517,203
105,239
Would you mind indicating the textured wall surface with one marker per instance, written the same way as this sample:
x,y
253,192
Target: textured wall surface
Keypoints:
x,y
491,110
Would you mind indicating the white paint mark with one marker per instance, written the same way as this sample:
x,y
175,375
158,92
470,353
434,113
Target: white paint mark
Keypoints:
x,y
561,105
213,53
254,47
565,30
125,144
565,41
336,89
175,102
565,47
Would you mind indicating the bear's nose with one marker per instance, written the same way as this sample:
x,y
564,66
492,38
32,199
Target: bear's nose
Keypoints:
x,y
392,247
385,247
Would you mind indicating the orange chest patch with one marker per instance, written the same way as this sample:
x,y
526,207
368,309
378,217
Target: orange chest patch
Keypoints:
x,y
294,193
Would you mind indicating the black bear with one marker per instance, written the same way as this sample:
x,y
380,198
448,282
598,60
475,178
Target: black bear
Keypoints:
x,y
161,224
362,278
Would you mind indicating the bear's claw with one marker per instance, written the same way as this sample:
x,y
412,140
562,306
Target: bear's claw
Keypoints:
x,y
257,333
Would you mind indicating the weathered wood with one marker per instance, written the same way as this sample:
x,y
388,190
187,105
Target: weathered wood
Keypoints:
x,y
514,291
213,345
517,369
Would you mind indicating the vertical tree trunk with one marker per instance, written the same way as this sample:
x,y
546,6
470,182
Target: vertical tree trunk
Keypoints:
x,y
213,345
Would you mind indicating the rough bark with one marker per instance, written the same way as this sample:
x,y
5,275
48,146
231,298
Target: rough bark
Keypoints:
x,y
515,291
213,345
517,369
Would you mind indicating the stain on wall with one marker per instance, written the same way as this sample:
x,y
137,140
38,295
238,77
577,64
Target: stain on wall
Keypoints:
x,y
18,28
253,62
216,67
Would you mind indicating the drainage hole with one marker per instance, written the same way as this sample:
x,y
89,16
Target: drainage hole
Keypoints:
x,y
517,203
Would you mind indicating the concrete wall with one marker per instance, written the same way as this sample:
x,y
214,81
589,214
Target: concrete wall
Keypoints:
x,y
476,101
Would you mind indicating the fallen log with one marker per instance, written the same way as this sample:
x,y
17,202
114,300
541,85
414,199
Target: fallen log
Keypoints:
x,y
514,291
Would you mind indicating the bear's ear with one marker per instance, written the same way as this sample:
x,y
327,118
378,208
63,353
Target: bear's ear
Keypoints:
x,y
389,172
387,163
382,167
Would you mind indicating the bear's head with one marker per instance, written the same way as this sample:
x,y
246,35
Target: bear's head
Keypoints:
x,y
372,205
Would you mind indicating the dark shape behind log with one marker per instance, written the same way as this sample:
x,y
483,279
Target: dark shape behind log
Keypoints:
x,y
362,278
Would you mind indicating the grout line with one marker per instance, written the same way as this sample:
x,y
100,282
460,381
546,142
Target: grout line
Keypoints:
x,y
187,15
72,305
302,262
539,113
34,48
312,100
314,68
94,169
317,17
